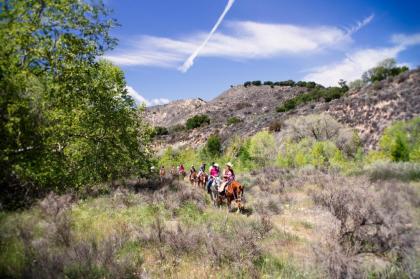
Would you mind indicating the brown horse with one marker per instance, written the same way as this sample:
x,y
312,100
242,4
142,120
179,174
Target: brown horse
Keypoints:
x,y
193,178
162,174
202,180
233,192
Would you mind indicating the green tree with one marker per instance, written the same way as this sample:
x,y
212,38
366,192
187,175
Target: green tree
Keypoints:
x,y
66,118
401,141
214,146
386,68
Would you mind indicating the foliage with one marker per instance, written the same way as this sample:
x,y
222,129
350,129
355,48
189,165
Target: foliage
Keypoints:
x,y
401,141
307,84
68,120
356,84
233,120
160,131
385,69
374,219
403,171
322,127
197,121
327,94
262,148
213,146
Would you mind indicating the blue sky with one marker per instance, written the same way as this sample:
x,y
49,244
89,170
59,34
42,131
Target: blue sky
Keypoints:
x,y
274,40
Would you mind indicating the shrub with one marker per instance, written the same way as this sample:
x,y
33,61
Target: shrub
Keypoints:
x,y
197,121
401,141
268,83
372,219
390,170
233,120
286,83
256,82
356,84
178,128
247,83
214,146
385,69
322,127
262,148
316,94
160,131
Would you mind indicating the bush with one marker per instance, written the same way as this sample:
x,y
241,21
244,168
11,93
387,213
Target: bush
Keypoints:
x,y
385,69
160,131
256,83
268,83
390,170
178,128
372,219
401,141
262,148
233,120
214,146
197,121
322,127
316,94
247,83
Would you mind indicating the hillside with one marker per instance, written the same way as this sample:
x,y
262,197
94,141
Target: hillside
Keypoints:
x,y
369,110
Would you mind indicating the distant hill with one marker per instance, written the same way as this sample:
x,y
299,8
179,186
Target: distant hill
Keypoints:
x,y
253,108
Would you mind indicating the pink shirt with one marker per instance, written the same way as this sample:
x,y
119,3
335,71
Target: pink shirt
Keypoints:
x,y
214,172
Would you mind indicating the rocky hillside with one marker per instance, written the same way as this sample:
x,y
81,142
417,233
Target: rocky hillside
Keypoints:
x,y
369,110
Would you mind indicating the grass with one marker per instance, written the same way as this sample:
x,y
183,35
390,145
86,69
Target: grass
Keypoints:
x,y
174,232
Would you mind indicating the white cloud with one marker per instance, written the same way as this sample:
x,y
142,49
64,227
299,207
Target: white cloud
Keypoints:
x,y
240,40
353,66
140,99
190,60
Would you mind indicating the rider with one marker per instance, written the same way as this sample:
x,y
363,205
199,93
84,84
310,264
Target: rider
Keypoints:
x,y
192,170
181,169
228,177
202,169
214,173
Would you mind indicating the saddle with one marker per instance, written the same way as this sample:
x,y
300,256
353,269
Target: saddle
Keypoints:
x,y
223,187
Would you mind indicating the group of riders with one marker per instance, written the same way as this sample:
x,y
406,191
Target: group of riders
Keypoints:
x,y
214,177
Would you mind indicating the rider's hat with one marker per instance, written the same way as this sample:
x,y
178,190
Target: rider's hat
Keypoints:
x,y
229,165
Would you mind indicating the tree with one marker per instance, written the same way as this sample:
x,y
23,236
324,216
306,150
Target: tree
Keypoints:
x,y
214,146
67,120
386,68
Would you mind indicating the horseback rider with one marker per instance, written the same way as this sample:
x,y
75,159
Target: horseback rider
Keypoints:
x,y
162,173
192,170
228,177
214,173
202,169
181,169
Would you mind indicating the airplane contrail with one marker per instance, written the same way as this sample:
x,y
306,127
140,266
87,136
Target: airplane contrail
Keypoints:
x,y
190,60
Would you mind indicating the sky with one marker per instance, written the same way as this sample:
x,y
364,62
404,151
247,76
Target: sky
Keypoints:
x,y
178,49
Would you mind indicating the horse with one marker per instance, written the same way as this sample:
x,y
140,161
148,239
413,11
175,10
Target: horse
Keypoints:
x,y
162,174
202,180
233,192
193,178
